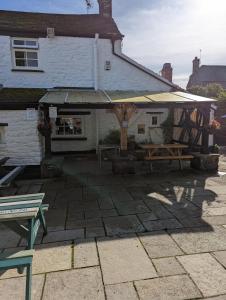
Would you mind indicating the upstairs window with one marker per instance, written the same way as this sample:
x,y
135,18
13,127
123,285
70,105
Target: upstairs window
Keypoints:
x,y
22,43
25,53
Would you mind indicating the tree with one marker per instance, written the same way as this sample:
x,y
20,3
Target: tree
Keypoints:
x,y
212,90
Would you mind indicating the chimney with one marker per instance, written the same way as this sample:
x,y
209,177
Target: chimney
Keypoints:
x,y
196,63
105,8
167,72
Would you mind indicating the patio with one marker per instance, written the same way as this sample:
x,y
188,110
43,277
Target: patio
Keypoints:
x,y
159,236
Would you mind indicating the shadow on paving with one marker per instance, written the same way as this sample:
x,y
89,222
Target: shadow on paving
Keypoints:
x,y
89,202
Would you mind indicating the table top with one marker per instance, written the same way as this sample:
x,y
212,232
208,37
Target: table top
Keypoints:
x,y
163,146
20,207
108,146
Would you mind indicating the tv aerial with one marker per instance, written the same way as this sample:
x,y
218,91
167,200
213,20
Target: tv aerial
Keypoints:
x,y
89,5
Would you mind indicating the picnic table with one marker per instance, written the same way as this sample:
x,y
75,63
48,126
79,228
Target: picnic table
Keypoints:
x,y
14,211
165,152
17,210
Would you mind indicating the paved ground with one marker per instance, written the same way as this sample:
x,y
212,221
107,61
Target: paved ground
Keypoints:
x,y
159,236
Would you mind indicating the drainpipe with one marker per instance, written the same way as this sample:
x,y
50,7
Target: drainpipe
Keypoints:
x,y
95,52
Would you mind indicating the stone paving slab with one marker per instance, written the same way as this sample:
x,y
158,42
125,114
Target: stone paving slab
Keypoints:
x,y
131,207
120,194
123,224
47,258
8,239
52,257
15,288
160,211
215,220
85,253
207,273
95,232
196,240
81,284
167,288
92,214
168,266
159,244
122,291
221,257
216,211
64,235
190,222
162,224
86,223
55,218
222,297
124,259
150,216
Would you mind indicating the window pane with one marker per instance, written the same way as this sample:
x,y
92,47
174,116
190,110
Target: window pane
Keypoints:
x,y
20,62
32,63
19,54
18,42
32,55
154,120
30,43
68,126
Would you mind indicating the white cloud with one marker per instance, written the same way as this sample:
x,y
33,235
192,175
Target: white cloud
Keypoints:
x,y
175,31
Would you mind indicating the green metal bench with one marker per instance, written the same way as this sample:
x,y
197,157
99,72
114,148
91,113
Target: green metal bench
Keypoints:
x,y
17,209
19,261
14,211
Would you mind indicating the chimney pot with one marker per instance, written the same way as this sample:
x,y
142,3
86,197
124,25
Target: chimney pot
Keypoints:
x,y
167,71
105,8
196,64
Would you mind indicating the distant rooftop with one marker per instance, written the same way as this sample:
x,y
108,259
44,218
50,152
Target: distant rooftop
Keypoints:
x,y
207,74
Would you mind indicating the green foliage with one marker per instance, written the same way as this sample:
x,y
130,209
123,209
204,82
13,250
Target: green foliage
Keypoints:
x,y
222,95
167,127
113,137
212,90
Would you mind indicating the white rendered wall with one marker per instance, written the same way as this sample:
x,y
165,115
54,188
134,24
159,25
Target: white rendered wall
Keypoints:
x,y
22,141
108,121
69,62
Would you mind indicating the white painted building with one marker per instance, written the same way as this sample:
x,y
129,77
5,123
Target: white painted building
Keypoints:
x,y
67,53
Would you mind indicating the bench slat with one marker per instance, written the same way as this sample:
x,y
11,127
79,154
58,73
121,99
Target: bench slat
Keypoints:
x,y
27,197
20,203
19,206
20,254
169,157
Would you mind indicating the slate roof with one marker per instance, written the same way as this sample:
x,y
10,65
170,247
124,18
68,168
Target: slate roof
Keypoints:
x,y
208,74
16,98
29,24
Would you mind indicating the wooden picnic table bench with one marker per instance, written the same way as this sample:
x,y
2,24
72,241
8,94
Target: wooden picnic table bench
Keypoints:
x,y
14,211
156,152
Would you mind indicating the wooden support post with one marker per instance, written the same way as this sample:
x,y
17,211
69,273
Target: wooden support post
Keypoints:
x,y
205,133
48,133
124,113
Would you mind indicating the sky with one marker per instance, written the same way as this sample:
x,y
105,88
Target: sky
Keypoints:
x,y
156,31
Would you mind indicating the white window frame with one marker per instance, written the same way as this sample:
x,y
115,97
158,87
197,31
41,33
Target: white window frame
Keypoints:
x,y
159,119
71,135
24,48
